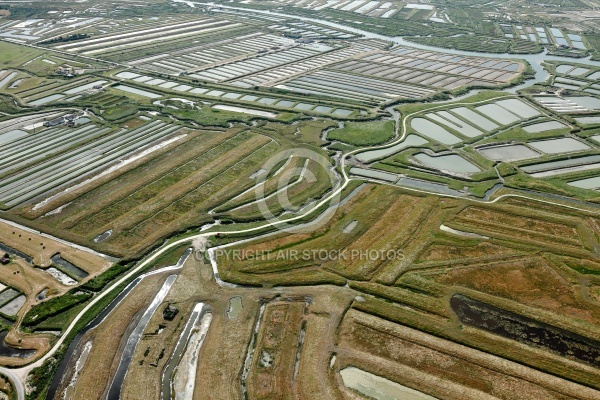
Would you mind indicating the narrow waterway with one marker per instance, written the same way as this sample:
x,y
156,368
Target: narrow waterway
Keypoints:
x,y
169,371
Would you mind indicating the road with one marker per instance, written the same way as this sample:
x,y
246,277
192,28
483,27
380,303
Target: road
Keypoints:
x,y
16,380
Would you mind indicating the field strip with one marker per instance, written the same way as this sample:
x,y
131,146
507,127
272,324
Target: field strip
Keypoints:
x,y
157,201
284,188
112,169
61,170
216,162
258,184
74,245
111,202
160,38
131,33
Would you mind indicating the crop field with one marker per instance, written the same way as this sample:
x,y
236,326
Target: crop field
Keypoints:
x,y
135,40
473,258
182,176
37,164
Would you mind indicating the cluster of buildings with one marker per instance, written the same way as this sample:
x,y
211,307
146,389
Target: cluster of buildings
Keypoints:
x,y
68,120
68,71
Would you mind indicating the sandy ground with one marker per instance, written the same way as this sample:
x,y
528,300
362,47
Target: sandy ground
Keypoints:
x,y
31,281
42,249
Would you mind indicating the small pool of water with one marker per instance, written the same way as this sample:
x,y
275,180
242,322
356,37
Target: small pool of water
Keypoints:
x,y
369,173
544,126
235,306
588,120
46,99
68,268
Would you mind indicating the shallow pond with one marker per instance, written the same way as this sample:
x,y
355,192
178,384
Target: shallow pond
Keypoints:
x,y
245,110
11,135
427,186
235,306
448,162
410,140
588,120
46,99
137,91
341,112
83,88
513,152
127,75
369,173
350,227
7,295
103,236
588,102
558,146
285,103
518,108
474,118
546,166
13,307
68,268
303,106
498,114
587,183
322,109
7,79
182,88
379,388
433,131
445,118
543,127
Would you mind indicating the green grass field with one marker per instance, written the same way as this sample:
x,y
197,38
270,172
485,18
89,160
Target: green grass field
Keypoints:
x,y
364,133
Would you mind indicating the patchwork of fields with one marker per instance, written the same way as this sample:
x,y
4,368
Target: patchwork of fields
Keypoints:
x,y
262,204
